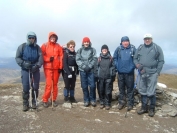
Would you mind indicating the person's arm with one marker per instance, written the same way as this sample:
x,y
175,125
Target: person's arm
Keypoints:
x,y
93,60
160,60
115,58
43,49
65,63
61,57
40,59
79,60
18,56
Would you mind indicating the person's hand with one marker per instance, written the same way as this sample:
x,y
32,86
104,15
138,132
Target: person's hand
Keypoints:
x,y
139,67
34,68
87,69
70,76
51,59
26,65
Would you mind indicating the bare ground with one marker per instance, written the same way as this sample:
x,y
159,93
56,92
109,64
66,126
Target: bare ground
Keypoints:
x,y
78,119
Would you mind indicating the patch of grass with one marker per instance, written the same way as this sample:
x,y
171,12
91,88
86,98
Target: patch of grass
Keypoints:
x,y
168,79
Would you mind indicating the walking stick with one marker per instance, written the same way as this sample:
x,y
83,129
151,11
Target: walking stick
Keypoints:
x,y
32,84
30,89
52,87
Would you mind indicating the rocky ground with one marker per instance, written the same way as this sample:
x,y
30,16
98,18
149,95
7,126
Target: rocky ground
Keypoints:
x,y
76,118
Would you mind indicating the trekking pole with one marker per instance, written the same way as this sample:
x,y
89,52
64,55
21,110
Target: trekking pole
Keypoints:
x,y
30,89
126,113
52,87
32,84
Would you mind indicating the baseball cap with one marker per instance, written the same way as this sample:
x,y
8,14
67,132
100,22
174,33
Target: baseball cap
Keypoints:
x,y
147,36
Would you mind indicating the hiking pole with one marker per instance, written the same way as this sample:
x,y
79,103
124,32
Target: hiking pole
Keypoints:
x,y
32,84
52,87
126,113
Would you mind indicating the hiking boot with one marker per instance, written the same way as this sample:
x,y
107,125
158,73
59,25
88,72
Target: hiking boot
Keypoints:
x,y
45,104
72,100
129,108
86,104
142,111
120,106
151,112
34,106
93,104
66,99
101,106
55,104
25,108
107,107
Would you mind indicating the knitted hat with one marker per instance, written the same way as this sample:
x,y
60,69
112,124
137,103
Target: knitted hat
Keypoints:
x,y
104,47
86,39
124,38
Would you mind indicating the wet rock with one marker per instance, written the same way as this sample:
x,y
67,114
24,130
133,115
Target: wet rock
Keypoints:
x,y
67,105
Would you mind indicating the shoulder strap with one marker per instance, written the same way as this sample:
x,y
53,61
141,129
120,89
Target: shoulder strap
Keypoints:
x,y
132,50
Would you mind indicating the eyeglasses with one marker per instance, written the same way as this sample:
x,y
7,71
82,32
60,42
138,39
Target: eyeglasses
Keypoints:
x,y
31,38
147,38
72,47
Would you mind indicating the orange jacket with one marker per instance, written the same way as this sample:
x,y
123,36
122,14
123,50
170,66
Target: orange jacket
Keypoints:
x,y
52,49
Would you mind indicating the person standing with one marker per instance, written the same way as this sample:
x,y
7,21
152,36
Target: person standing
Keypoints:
x,y
85,59
123,59
53,64
105,71
70,71
149,60
29,58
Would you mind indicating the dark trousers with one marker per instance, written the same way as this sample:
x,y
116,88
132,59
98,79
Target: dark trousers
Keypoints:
x,y
30,81
88,86
126,85
69,85
105,91
144,100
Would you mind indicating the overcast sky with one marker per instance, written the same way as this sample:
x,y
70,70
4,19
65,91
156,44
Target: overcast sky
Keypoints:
x,y
103,21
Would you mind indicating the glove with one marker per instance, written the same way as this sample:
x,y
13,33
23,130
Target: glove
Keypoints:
x,y
51,59
34,68
26,65
87,69
70,76
59,70
139,67
143,71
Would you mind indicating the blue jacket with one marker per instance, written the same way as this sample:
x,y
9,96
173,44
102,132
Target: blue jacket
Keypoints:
x,y
123,59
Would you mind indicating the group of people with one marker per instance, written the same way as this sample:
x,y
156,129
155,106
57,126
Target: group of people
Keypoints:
x,y
95,72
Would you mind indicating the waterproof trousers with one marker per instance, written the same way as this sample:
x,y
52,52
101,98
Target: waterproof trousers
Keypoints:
x,y
51,88
105,91
69,85
88,86
126,86
30,80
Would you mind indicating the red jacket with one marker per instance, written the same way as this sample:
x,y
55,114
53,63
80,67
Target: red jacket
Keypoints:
x,y
52,49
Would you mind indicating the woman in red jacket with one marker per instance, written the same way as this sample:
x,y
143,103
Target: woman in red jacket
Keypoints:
x,y
53,56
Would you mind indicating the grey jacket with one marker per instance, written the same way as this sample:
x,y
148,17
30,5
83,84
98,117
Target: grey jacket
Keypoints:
x,y
86,56
146,55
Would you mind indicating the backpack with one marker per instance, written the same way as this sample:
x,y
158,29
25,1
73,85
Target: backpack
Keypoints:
x,y
132,50
157,53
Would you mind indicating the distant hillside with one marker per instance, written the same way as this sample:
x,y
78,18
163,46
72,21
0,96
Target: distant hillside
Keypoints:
x,y
8,63
169,79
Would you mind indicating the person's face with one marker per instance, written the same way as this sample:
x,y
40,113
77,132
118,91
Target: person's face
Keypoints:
x,y
125,44
53,39
147,41
104,51
71,48
86,44
31,40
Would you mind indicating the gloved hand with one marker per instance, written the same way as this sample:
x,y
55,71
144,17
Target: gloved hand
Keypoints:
x,y
87,69
51,59
59,70
26,65
139,67
34,68
143,71
70,76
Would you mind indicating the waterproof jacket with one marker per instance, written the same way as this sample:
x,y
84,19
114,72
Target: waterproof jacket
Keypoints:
x,y
146,55
123,59
105,68
50,49
31,53
69,62
86,56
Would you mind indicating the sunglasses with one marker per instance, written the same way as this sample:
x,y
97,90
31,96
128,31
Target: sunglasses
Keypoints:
x,y
31,38
72,47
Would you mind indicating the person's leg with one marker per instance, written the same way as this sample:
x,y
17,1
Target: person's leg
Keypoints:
x,y
66,88
26,88
72,88
101,93
129,80
143,105
122,97
91,84
108,93
84,85
55,86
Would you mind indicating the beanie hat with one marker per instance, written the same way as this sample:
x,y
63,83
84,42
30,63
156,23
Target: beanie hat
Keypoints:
x,y
125,38
86,39
104,47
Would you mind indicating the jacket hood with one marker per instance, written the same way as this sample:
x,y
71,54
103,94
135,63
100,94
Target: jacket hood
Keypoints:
x,y
31,34
50,34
